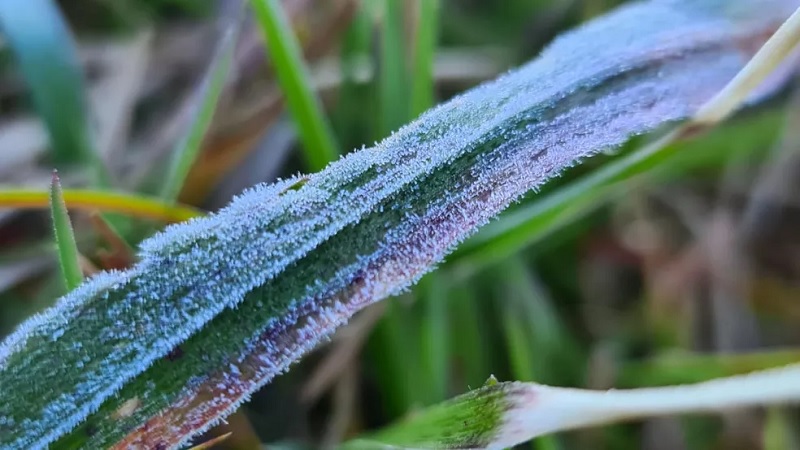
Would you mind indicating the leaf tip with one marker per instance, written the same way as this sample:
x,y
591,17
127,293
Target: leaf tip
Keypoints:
x,y
65,239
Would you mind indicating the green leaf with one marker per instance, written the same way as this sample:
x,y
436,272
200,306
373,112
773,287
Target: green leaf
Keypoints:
x,y
424,55
319,145
65,239
538,346
186,153
392,76
46,56
434,345
218,306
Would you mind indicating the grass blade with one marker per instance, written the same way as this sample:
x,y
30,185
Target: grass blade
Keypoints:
x,y
134,205
424,54
47,58
540,348
219,306
507,414
772,54
392,76
208,95
434,334
65,238
536,342
319,145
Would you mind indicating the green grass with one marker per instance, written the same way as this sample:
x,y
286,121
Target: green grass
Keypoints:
x,y
207,96
65,239
319,145
422,89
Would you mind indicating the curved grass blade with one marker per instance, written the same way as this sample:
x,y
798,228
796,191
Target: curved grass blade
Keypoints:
x,y
319,146
773,53
392,79
46,56
207,97
506,414
135,205
218,306
65,239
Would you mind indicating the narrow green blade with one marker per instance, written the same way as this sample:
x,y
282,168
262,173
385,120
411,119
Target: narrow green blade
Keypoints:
x,y
207,97
65,238
319,145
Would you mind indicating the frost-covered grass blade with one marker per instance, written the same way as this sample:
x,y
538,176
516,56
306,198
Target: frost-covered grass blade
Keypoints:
x,y
506,414
218,306
554,210
534,221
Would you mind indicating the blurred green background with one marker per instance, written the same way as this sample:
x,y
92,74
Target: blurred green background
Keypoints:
x,y
679,269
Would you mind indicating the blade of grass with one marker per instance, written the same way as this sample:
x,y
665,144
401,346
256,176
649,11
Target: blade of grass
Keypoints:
x,y
65,238
766,60
319,145
434,343
540,348
393,95
351,120
135,205
395,349
778,431
507,414
470,350
422,84
537,345
207,97
47,58
523,355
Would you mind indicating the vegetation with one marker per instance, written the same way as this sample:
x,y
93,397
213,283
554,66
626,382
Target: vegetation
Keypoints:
x,y
665,260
